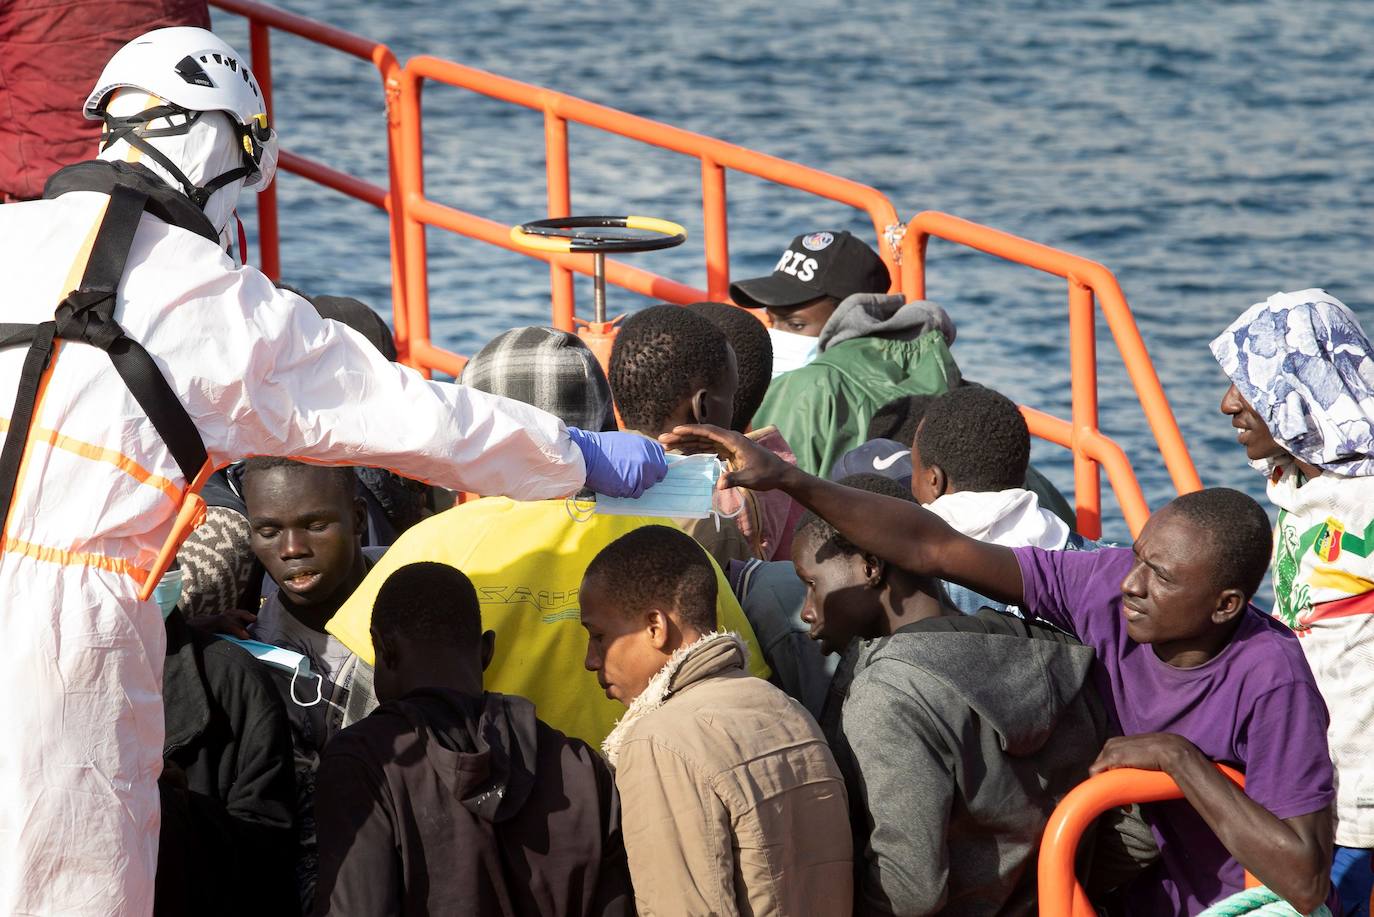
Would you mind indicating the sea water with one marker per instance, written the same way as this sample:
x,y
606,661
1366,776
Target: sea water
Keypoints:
x,y
1208,153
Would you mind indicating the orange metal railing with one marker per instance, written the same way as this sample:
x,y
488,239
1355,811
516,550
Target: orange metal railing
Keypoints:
x,y
1060,893
559,108
1087,280
410,212
262,18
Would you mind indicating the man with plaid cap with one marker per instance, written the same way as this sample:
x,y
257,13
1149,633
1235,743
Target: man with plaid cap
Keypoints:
x,y
842,346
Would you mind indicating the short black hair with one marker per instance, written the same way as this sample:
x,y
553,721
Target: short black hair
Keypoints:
x,y
343,475
429,603
827,536
1239,533
659,564
898,420
660,357
978,437
753,354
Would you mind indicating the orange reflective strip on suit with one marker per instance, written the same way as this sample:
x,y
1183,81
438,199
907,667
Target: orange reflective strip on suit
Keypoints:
x,y
74,558
100,454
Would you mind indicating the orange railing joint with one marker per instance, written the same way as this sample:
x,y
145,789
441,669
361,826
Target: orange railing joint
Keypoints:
x,y
1060,892
1090,287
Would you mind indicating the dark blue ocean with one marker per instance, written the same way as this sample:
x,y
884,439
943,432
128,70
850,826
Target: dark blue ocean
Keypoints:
x,y
1210,154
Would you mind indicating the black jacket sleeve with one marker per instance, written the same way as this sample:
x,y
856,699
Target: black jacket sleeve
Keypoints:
x,y
360,870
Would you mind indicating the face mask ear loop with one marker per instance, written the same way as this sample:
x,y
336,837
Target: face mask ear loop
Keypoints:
x,y
319,690
717,513
571,508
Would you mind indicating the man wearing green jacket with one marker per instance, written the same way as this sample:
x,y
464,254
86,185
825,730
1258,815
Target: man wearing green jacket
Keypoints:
x,y
873,348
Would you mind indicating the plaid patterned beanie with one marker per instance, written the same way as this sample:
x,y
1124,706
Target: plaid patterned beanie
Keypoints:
x,y
550,369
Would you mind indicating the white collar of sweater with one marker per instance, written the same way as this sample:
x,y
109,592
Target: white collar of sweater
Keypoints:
x,y
660,688
1013,518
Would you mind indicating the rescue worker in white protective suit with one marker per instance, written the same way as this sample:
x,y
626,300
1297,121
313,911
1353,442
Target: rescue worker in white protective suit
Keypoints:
x,y
97,491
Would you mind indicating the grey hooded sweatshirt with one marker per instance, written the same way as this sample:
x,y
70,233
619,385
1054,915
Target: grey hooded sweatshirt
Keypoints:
x,y
965,732
884,315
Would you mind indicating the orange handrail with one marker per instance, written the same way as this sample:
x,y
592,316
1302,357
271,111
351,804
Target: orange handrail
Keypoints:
x,y
1060,893
411,212
559,108
1086,280
261,18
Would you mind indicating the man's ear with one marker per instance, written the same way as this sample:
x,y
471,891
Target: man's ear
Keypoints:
x,y
382,649
488,648
698,406
875,571
1230,604
658,629
359,515
938,480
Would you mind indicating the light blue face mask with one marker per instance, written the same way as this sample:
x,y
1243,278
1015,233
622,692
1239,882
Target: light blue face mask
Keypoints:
x,y
168,591
287,661
792,351
686,492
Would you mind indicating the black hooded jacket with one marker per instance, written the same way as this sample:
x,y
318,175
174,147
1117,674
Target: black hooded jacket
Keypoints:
x,y
228,789
444,803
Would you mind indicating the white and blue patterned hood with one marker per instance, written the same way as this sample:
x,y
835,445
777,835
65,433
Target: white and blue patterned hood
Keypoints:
x,y
1306,366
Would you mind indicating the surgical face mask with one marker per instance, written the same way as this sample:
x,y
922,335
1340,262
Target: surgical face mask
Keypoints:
x,y
168,591
792,351
285,660
686,492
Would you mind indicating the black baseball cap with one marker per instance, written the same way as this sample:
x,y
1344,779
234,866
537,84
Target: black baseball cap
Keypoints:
x,y
815,264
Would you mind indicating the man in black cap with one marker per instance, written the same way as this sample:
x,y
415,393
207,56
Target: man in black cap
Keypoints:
x,y
817,271
842,346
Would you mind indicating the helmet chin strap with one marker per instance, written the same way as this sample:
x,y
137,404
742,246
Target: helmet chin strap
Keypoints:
x,y
133,130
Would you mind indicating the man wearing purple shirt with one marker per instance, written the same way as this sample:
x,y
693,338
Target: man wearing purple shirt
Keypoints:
x,y
1192,672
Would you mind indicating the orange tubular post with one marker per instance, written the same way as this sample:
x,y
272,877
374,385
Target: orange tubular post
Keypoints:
x,y
717,232
269,238
412,190
1060,893
261,18
1083,382
560,205
1086,280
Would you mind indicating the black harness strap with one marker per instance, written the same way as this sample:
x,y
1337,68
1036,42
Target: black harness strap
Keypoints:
x,y
133,129
87,315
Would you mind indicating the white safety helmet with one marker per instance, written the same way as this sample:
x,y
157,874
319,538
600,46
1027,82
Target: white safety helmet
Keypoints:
x,y
193,71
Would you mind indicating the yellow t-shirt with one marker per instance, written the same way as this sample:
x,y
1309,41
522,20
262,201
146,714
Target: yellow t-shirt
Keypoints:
x,y
526,561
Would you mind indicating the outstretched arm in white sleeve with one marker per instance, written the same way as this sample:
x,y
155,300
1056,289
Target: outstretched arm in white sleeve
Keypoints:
x,y
284,381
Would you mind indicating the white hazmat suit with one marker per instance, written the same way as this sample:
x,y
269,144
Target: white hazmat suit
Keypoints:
x,y
260,373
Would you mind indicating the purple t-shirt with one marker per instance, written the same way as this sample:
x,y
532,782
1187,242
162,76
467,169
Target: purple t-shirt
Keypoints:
x,y
1254,706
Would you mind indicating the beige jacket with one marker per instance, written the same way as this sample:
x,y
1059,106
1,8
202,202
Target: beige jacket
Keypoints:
x,y
731,800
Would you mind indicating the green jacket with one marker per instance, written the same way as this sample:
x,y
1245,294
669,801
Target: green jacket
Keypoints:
x,y
823,409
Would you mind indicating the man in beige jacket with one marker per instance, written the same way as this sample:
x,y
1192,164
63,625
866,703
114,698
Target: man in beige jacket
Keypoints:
x,y
732,801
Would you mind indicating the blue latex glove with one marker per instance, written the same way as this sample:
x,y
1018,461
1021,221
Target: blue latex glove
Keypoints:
x,y
620,464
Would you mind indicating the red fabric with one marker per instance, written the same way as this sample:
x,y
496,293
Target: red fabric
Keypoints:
x,y
767,518
1362,604
51,53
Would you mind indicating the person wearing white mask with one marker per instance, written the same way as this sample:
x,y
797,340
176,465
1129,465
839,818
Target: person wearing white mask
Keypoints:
x,y
205,363
842,345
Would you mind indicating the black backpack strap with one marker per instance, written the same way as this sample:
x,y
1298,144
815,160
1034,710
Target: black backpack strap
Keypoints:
x,y
21,417
160,403
87,315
